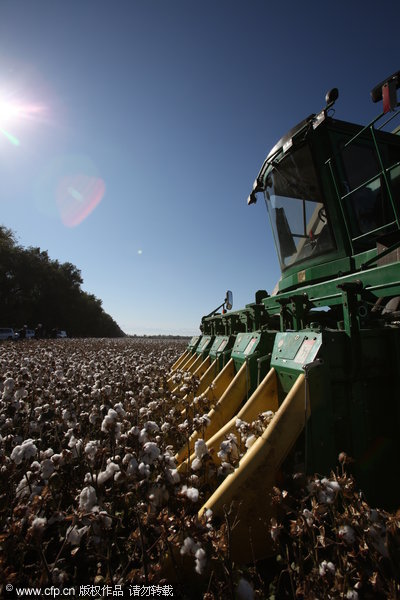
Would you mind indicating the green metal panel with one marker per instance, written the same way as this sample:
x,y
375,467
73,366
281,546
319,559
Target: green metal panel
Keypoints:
x,y
254,348
290,352
378,282
354,403
221,349
193,343
204,345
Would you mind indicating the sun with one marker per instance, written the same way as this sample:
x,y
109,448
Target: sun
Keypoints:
x,y
14,113
13,110
9,111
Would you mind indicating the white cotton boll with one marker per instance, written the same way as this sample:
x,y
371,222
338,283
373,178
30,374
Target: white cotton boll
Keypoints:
x,y
165,427
110,471
267,414
201,560
151,452
347,534
107,424
93,416
23,487
57,459
250,440
74,535
109,420
205,420
326,568
87,498
132,466
75,443
326,496
38,525
88,478
107,390
91,449
47,453
183,426
120,409
143,437
59,374
95,394
308,517
66,415
190,492
106,521
9,385
151,426
25,451
134,430
144,469
244,590
352,595
332,484
47,468
173,475
196,464
225,448
128,456
169,458
20,394
225,468
117,430
200,448
189,546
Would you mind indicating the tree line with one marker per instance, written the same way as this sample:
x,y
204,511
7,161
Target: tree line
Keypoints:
x,y
37,289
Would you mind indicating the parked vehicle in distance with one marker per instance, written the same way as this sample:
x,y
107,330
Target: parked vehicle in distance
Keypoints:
x,y
7,333
61,334
29,334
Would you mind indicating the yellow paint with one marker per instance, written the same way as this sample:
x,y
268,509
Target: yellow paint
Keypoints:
x,y
180,360
264,398
224,408
199,372
248,488
208,377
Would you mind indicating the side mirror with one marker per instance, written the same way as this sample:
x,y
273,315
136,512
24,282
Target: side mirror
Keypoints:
x,y
228,300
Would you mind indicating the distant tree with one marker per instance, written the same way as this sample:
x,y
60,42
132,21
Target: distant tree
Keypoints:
x,y
36,289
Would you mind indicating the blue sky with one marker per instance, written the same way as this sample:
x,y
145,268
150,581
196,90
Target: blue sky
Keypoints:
x,y
140,126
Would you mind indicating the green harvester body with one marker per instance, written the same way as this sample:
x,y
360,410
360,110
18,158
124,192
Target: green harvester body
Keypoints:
x,y
332,191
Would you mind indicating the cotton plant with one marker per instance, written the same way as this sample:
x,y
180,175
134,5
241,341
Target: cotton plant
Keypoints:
x,y
192,548
106,431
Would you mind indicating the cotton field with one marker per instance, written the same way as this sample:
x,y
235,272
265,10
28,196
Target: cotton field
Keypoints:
x,y
87,435
91,492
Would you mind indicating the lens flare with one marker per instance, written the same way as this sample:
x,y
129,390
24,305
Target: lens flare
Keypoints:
x,y
11,111
77,196
11,138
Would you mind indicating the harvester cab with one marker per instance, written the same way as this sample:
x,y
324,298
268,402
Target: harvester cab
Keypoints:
x,y
322,354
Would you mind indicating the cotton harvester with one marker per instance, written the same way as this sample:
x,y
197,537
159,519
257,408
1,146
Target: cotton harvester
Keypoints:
x,y
322,352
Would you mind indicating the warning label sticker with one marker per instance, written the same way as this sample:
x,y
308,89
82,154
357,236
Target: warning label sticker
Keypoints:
x,y
304,351
250,346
